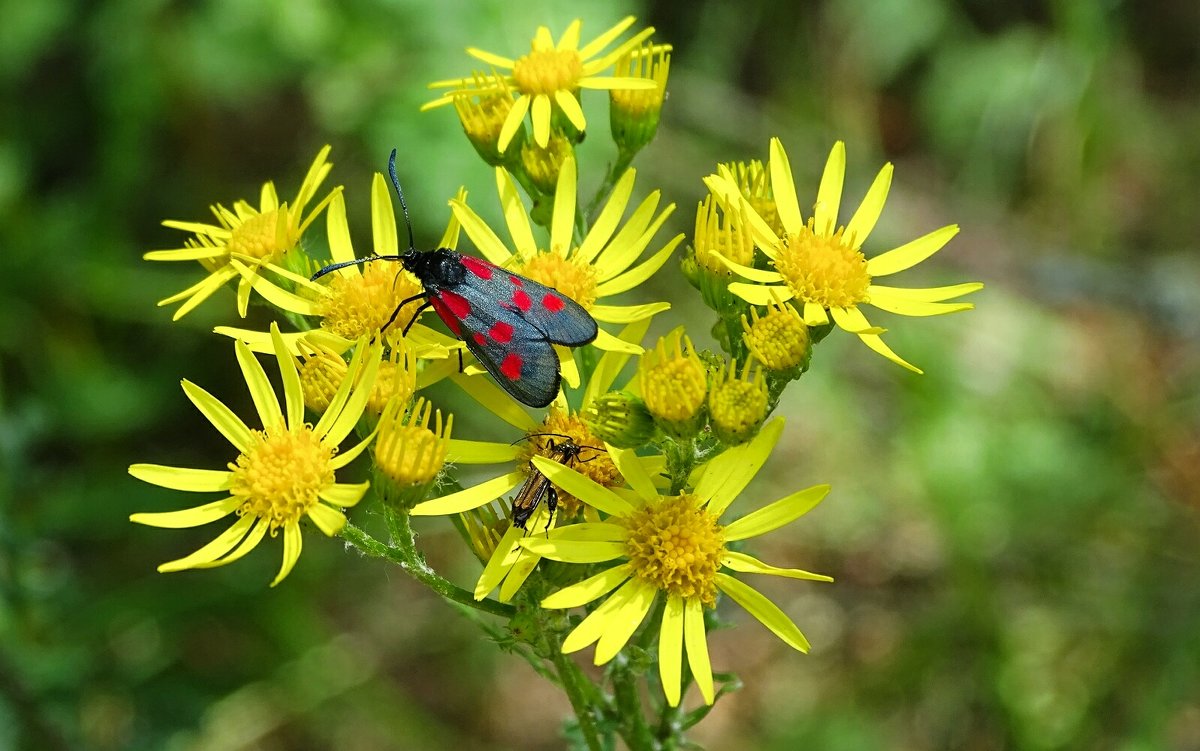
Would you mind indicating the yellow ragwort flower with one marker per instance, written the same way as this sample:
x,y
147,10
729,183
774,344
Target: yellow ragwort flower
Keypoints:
x,y
410,453
551,75
821,264
600,266
737,404
483,109
246,241
779,339
676,546
283,473
674,383
633,114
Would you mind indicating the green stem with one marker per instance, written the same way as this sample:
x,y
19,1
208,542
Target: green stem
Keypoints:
x,y
405,555
569,678
634,728
624,159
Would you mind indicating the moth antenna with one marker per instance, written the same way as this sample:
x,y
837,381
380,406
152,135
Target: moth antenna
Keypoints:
x,y
400,195
536,435
356,262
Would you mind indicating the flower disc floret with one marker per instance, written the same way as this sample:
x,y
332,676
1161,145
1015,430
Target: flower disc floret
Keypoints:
x,y
779,339
547,70
825,270
676,546
279,476
362,303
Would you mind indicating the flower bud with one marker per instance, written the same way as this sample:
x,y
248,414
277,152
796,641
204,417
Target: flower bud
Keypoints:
x,y
634,113
737,404
673,384
621,419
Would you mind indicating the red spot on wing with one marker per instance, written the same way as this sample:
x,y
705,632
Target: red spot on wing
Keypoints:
x,y
501,332
480,339
518,281
455,303
521,300
552,302
444,313
511,367
481,269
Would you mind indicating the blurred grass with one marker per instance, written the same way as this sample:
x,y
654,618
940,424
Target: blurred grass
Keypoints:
x,y
1014,535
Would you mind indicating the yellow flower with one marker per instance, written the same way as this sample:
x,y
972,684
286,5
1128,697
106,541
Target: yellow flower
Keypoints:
x,y
737,405
633,114
483,109
550,76
283,473
821,264
779,339
674,383
676,546
246,240
509,565
587,272
408,452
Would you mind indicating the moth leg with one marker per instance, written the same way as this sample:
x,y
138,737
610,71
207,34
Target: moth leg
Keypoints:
x,y
412,320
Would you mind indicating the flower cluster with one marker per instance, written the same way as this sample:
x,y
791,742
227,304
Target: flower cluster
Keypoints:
x,y
606,518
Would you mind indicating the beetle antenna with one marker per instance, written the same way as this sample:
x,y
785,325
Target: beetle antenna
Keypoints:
x,y
536,435
400,195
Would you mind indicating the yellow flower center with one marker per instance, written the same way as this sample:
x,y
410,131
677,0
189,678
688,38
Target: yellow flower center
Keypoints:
x,y
677,547
649,62
596,465
258,236
362,303
779,340
320,377
823,270
407,451
576,280
673,384
279,477
545,71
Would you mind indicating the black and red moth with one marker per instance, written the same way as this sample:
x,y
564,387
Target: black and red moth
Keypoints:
x,y
510,323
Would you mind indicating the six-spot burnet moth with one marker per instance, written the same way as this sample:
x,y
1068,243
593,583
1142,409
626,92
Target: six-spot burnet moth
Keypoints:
x,y
508,322
537,486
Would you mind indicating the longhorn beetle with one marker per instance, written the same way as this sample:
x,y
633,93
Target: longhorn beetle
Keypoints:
x,y
538,486
510,323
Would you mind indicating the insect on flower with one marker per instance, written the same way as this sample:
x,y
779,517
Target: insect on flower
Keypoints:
x,y
510,323
537,487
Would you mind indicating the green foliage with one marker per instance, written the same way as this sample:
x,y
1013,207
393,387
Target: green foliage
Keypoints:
x,y
1014,534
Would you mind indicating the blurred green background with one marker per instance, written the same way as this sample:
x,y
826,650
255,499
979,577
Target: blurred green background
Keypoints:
x,y
1014,535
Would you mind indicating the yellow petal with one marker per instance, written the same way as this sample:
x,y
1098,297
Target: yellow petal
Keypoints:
x,y
784,189
852,320
211,554
775,515
470,498
516,217
569,105
612,362
730,473
627,313
329,520
639,273
293,394
516,116
348,413
609,343
480,233
610,216
748,564
292,543
670,649
874,342
490,58
864,219
696,643
761,294
729,196
762,276
814,314
383,218
180,478
593,47
912,253
541,120
342,458
829,194
185,254
562,223
192,517
338,230
574,551
630,467
503,558
767,612
588,590
600,619
487,393
925,294
582,487
222,418
625,621
343,494
480,452
904,307
566,366
260,388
